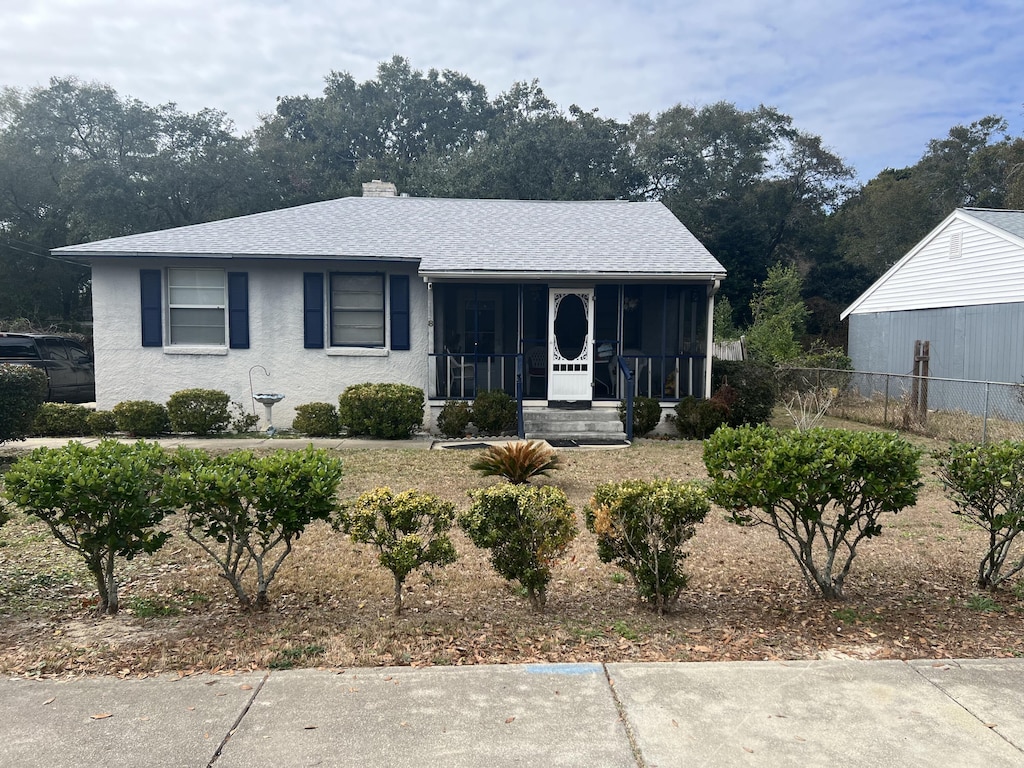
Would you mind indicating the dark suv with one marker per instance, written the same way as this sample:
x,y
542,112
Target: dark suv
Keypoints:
x,y
68,365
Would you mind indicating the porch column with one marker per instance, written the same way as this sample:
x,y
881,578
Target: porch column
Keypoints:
x,y
710,340
430,317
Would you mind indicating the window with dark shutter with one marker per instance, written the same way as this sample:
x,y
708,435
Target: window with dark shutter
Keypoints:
x,y
313,310
152,313
400,334
238,310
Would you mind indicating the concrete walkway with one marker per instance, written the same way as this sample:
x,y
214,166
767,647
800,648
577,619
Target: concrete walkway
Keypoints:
x,y
822,713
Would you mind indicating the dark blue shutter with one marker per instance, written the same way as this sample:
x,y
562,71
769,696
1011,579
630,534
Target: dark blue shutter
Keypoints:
x,y
400,312
313,310
238,310
152,312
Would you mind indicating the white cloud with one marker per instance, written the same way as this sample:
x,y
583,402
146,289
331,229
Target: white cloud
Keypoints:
x,y
876,81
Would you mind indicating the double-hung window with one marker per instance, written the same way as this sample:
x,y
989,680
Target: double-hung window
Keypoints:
x,y
357,309
196,301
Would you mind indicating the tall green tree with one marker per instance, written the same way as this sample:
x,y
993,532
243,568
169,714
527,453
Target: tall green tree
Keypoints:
x,y
78,162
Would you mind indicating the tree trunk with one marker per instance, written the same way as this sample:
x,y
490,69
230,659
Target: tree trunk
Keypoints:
x,y
398,596
101,586
112,604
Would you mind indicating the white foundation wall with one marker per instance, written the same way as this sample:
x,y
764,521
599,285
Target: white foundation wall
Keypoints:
x,y
125,370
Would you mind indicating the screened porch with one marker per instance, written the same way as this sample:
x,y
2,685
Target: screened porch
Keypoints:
x,y
483,333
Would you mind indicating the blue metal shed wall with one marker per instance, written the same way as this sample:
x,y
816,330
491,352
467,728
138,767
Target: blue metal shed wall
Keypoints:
x,y
983,343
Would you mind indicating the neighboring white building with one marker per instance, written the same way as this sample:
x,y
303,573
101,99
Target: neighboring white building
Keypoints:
x,y
443,294
962,289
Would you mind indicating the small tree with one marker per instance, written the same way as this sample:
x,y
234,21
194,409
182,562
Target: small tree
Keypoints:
x,y
102,502
526,528
517,461
409,530
822,491
642,526
986,483
779,316
246,510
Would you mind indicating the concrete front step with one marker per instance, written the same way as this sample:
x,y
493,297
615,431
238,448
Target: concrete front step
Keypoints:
x,y
601,423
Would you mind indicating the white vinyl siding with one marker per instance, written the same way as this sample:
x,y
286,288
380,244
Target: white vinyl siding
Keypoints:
x,y
989,270
196,304
357,310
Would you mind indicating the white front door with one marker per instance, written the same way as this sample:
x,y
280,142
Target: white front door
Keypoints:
x,y
571,348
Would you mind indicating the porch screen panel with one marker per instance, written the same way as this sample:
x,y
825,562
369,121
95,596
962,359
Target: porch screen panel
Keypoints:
x,y
357,310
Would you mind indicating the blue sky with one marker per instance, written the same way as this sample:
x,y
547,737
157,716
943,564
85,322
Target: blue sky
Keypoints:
x,y
876,80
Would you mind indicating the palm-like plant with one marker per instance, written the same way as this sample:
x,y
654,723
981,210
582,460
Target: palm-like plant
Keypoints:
x,y
518,461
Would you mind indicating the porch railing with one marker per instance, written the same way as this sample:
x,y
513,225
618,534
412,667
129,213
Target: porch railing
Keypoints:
x,y
627,375
462,375
663,377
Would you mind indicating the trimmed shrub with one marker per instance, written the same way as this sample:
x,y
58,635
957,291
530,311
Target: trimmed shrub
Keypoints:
x,y
642,526
316,420
517,461
821,491
141,418
242,422
389,411
101,423
62,420
103,502
646,415
454,418
199,411
986,483
495,413
696,419
409,530
246,511
755,386
526,528
22,390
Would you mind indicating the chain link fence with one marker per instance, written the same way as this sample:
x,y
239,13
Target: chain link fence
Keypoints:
x,y
947,409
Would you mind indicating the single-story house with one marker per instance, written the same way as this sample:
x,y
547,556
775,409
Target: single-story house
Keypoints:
x,y
447,295
961,289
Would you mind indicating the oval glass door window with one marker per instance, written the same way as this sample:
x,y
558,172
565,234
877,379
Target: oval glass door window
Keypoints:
x,y
571,326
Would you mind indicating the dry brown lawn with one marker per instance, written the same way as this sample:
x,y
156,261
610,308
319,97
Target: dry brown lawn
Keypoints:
x,y
910,594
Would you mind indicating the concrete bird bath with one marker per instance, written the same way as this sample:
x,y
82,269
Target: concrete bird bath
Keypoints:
x,y
268,399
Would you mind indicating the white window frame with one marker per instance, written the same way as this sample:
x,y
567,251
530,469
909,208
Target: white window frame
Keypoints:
x,y
219,303
332,311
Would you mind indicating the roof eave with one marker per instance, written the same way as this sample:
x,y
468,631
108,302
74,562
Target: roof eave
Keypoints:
x,y
564,275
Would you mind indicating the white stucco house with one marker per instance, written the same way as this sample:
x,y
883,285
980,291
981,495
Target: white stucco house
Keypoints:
x,y
961,288
447,295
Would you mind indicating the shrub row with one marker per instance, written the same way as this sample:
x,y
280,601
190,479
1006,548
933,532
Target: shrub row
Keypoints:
x,y
493,412
110,500
821,491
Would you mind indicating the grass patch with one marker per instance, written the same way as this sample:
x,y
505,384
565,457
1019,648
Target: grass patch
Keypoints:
x,y
296,656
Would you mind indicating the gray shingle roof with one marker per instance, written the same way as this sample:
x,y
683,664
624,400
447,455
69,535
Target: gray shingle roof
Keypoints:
x,y
1009,221
446,236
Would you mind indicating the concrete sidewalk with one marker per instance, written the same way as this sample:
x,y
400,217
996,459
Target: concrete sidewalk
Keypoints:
x,y
822,713
417,442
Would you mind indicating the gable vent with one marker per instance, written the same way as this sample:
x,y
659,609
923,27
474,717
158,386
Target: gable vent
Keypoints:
x,y
956,242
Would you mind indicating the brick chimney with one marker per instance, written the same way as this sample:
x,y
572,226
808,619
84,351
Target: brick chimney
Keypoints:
x,y
378,188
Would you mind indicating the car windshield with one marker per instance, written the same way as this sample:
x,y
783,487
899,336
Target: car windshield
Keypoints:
x,y
17,348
